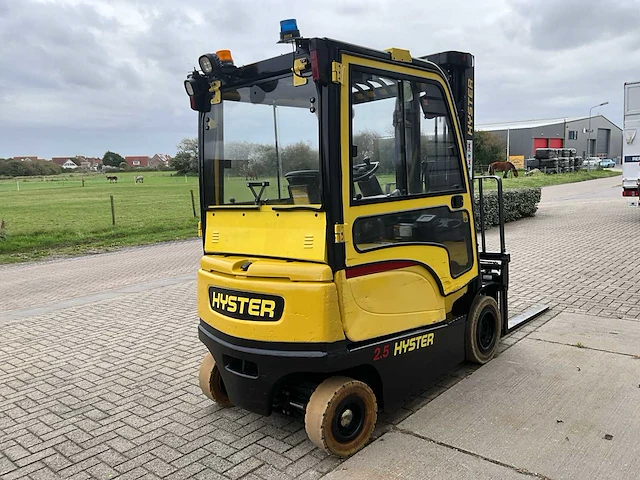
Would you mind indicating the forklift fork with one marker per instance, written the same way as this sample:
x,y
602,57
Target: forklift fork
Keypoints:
x,y
494,266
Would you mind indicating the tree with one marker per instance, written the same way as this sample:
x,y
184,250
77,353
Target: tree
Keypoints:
x,y
239,153
112,159
366,141
487,148
186,160
376,148
299,156
263,160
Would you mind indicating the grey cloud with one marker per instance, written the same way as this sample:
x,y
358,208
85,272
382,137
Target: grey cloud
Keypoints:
x,y
573,23
73,74
359,8
50,46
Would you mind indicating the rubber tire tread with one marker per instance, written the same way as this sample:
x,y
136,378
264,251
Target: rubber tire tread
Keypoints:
x,y
210,381
473,353
318,419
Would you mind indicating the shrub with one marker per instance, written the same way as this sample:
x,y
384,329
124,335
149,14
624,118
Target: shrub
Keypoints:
x,y
518,203
17,168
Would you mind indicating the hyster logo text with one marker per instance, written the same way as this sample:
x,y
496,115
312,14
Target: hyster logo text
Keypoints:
x,y
245,305
470,108
411,344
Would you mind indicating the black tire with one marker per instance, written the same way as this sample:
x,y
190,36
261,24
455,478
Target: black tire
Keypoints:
x,y
341,415
544,153
532,163
484,325
549,164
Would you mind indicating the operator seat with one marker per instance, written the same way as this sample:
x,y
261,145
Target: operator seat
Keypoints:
x,y
306,178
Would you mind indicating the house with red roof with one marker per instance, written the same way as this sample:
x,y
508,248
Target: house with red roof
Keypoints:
x,y
137,161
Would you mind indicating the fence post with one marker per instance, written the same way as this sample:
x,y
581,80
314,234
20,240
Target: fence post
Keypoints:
x,y
113,212
193,204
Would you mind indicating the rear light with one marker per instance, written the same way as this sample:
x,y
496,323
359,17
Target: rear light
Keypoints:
x,y
629,193
315,68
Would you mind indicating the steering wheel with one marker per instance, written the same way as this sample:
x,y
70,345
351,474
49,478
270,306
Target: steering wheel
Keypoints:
x,y
364,170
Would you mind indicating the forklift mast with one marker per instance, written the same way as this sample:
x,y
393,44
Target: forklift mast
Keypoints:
x,y
458,67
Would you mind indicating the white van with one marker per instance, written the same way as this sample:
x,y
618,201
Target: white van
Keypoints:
x,y
631,144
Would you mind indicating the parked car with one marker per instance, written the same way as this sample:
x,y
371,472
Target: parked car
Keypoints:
x,y
607,163
591,162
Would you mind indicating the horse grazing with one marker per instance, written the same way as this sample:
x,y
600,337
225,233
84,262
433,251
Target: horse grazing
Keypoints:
x,y
112,179
505,167
251,175
139,179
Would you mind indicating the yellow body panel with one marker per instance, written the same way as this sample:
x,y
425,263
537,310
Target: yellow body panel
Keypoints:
x,y
311,308
398,292
388,302
299,234
267,268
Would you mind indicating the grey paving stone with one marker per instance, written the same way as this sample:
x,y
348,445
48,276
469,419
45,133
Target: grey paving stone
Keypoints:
x,y
159,467
243,468
273,458
6,465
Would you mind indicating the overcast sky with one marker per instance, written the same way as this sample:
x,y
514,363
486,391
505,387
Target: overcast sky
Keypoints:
x,y
82,77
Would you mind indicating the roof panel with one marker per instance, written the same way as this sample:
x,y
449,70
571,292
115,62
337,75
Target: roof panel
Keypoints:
x,y
528,123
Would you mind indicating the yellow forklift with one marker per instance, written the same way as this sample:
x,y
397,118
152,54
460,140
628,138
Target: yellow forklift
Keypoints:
x,y
341,269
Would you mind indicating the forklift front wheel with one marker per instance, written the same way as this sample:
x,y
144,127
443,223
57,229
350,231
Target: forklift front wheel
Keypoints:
x,y
211,382
484,325
341,415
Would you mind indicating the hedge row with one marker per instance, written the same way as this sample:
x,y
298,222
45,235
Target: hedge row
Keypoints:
x,y
518,203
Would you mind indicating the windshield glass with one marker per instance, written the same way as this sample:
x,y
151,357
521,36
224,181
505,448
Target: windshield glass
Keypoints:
x,y
269,143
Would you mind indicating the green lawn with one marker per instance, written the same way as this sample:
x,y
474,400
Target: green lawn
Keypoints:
x,y
541,180
544,180
58,215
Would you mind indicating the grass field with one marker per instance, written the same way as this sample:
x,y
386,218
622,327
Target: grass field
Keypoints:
x,y
59,216
545,180
541,180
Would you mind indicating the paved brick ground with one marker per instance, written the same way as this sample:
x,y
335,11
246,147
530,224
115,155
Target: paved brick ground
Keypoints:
x,y
40,283
104,385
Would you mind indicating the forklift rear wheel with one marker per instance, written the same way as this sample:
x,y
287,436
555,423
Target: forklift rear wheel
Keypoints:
x,y
484,325
211,382
341,415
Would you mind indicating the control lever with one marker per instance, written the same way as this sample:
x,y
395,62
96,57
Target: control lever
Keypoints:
x,y
258,195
